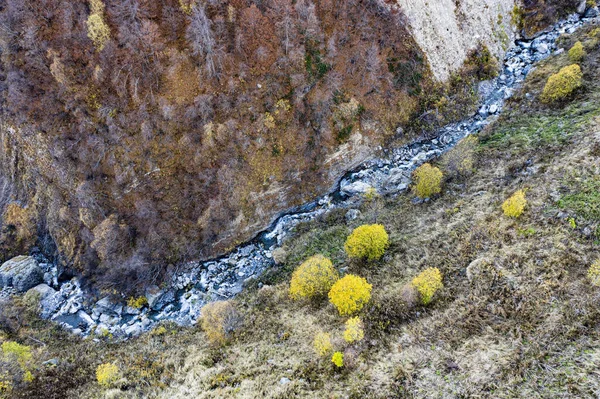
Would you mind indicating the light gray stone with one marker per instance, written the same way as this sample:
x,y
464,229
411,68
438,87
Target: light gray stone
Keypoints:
x,y
21,272
51,304
43,290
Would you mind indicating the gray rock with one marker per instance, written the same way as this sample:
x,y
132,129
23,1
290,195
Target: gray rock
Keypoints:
x,y
352,214
133,330
43,290
592,12
542,48
158,299
51,362
21,272
485,88
582,7
358,187
51,304
128,310
284,381
86,318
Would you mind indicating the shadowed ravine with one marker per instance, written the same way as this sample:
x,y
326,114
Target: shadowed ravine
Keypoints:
x,y
224,277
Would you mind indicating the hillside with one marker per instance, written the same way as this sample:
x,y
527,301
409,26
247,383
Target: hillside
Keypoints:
x,y
517,315
138,135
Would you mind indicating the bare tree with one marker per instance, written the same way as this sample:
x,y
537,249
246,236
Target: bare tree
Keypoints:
x,y
202,39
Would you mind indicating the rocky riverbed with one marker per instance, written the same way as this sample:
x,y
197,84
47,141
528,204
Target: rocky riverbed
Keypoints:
x,y
198,283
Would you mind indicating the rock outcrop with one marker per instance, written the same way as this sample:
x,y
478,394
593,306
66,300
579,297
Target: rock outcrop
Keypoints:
x,y
22,273
447,29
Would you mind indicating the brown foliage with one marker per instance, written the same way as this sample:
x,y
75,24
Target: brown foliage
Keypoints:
x,y
122,131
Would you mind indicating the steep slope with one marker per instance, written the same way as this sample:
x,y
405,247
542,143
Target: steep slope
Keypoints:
x,y
517,315
140,134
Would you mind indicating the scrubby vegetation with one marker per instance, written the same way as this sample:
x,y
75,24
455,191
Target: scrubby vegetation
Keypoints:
x,y
561,85
427,283
367,242
515,205
428,181
460,160
322,344
350,294
577,52
354,331
313,278
220,320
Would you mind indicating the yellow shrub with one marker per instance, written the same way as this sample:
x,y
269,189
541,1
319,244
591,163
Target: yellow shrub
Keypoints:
x,y
96,6
338,359
515,205
428,181
562,84
367,242
187,6
5,386
137,303
427,283
594,273
219,320
313,278
350,294
22,353
98,30
107,374
354,330
322,344
577,53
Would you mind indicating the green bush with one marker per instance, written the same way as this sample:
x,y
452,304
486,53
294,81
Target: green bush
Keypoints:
x,y
563,84
368,241
313,278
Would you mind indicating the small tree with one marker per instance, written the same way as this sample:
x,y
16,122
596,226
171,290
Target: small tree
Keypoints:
x,y
313,278
338,359
350,294
219,320
368,241
593,273
98,30
428,181
563,84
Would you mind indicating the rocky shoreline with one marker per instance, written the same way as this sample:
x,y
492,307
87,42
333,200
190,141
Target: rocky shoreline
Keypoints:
x,y
200,282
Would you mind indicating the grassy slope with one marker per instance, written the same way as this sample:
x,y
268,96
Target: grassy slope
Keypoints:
x,y
516,318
